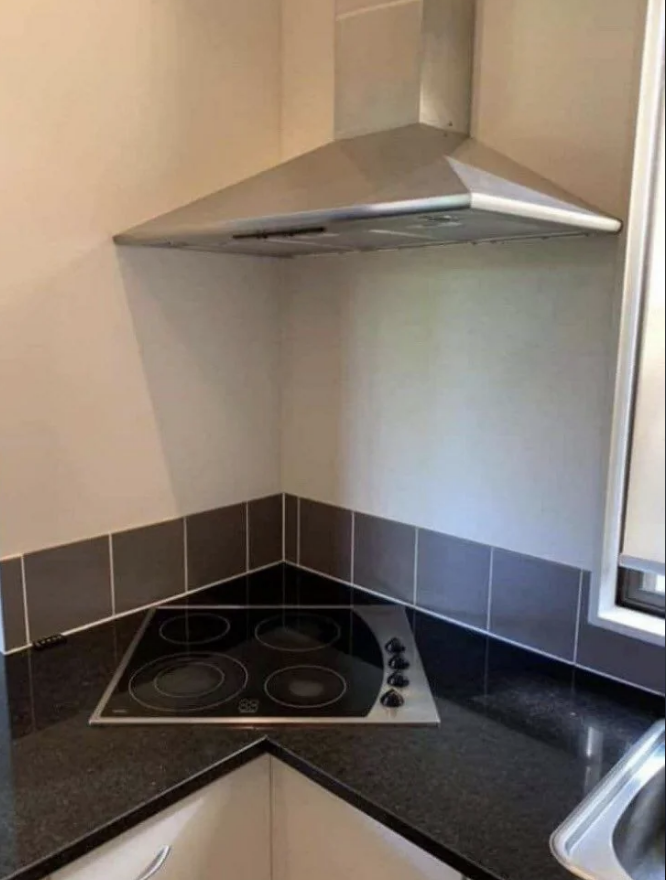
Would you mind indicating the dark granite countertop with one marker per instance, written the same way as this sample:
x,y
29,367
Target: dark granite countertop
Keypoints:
x,y
522,740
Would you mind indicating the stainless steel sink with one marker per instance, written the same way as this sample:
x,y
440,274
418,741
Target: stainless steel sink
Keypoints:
x,y
617,833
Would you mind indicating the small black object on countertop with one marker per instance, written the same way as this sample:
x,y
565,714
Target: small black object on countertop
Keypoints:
x,y
522,739
53,641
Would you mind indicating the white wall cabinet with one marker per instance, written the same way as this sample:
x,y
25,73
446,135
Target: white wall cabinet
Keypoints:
x,y
263,822
219,833
317,835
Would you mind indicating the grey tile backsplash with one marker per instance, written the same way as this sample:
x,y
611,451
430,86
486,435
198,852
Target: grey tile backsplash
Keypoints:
x,y
291,528
68,587
148,564
13,611
325,539
453,578
384,554
216,545
264,531
531,602
79,584
535,603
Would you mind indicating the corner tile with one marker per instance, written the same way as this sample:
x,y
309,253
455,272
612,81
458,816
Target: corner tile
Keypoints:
x,y
68,587
325,539
11,604
215,545
453,578
535,603
148,564
384,556
622,657
291,528
265,531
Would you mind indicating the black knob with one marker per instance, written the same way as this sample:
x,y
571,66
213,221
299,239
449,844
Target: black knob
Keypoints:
x,y
395,646
392,700
399,663
398,680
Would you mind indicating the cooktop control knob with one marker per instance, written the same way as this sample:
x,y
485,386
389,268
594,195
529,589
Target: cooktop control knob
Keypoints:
x,y
392,700
398,680
395,646
399,663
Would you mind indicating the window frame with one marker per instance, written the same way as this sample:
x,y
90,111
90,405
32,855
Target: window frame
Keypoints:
x,y
633,592
606,608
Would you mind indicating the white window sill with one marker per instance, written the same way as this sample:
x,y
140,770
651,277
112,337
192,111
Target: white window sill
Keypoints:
x,y
632,623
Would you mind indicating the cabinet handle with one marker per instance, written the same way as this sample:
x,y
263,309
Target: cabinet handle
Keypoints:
x,y
156,865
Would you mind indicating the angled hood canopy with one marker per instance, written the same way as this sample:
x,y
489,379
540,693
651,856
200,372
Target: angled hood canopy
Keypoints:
x,y
399,170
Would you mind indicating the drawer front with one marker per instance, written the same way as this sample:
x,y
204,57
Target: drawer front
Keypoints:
x,y
219,833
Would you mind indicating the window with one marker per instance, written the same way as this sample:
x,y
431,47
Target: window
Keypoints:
x,y
642,592
630,589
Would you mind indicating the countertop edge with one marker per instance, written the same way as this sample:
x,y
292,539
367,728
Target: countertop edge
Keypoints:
x,y
263,745
453,859
82,846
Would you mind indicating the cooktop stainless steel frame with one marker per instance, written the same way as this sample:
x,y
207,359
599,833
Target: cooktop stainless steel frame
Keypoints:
x,y
385,621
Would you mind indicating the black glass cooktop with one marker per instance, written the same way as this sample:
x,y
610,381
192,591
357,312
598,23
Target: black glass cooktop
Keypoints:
x,y
270,665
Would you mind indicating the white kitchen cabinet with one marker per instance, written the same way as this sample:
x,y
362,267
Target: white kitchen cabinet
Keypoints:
x,y
262,822
219,833
317,836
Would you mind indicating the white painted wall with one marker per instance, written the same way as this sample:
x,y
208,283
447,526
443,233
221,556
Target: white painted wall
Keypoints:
x,y
134,386
308,75
431,387
556,89
465,390
469,389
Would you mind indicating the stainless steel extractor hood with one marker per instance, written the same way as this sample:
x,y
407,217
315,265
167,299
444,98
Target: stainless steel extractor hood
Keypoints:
x,y
399,168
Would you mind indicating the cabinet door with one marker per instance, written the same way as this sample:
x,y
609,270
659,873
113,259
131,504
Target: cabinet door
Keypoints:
x,y
317,835
219,833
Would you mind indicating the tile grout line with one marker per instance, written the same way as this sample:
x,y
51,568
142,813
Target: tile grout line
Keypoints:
x,y
186,556
247,536
24,590
352,555
284,527
579,615
491,577
416,566
112,577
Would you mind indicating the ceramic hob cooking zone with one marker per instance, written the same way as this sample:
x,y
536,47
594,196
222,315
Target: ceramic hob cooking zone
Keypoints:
x,y
307,665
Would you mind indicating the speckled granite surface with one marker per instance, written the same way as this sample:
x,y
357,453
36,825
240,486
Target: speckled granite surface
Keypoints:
x,y
521,741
